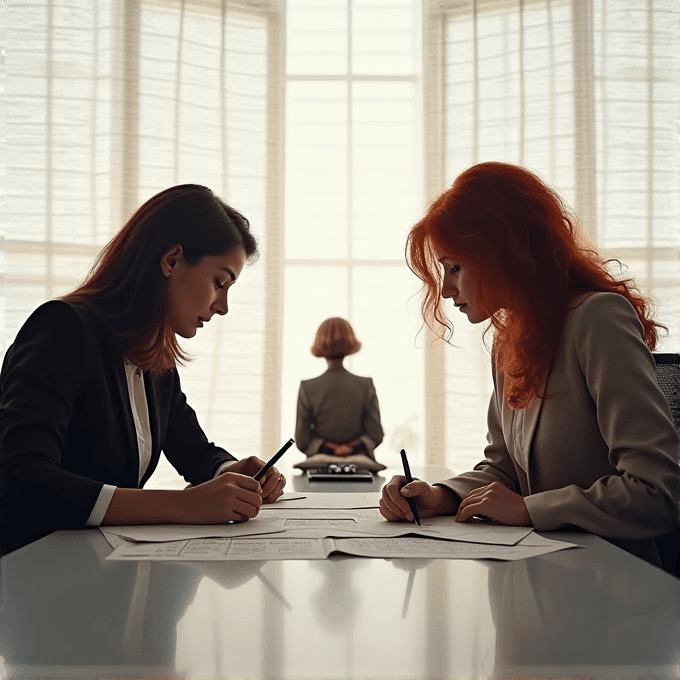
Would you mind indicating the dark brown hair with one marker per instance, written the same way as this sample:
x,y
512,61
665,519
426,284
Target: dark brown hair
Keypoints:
x,y
532,259
125,285
335,339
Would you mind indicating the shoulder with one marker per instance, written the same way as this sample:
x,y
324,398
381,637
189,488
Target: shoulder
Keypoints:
x,y
364,381
62,319
597,311
55,340
62,328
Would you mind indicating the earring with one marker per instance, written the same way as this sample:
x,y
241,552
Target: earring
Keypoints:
x,y
167,275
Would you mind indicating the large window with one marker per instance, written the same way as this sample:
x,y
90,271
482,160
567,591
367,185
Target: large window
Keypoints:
x,y
353,188
331,125
586,94
105,104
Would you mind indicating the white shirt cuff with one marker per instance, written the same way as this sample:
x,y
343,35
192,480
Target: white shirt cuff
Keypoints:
x,y
224,466
101,506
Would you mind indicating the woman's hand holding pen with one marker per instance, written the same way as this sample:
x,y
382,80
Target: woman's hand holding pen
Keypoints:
x,y
271,484
497,502
230,496
432,500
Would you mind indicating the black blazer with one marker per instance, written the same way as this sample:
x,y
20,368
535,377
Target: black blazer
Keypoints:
x,y
66,425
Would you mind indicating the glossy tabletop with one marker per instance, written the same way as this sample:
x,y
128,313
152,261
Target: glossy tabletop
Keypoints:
x,y
594,612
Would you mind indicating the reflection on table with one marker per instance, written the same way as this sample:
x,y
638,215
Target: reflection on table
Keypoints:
x,y
591,612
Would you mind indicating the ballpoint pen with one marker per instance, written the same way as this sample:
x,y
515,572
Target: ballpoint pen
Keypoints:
x,y
411,501
265,468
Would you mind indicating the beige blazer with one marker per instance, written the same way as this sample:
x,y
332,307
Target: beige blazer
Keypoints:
x,y
339,406
601,451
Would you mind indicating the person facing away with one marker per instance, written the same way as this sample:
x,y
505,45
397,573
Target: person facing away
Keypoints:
x,y
580,433
90,394
337,412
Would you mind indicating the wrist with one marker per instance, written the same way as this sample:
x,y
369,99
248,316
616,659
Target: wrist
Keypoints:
x,y
447,501
144,506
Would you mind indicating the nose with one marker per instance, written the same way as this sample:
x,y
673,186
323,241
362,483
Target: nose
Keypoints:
x,y
220,305
449,290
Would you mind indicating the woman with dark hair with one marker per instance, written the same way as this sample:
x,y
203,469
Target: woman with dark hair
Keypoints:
x,y
337,412
90,394
580,433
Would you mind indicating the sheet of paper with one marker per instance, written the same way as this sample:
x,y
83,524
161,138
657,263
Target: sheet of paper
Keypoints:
x,y
537,541
285,497
114,540
308,548
360,514
418,547
176,532
448,528
316,500
321,527
226,549
321,523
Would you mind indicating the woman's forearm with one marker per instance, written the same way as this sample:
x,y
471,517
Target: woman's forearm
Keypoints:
x,y
144,506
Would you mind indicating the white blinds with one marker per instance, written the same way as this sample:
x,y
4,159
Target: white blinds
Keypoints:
x,y
109,102
353,188
586,95
105,102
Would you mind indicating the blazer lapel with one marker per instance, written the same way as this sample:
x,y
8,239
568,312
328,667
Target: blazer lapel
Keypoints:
x,y
525,426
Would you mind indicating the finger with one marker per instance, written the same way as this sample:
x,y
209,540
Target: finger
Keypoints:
x,y
414,488
394,499
388,513
276,491
254,465
242,481
271,479
477,492
400,509
250,498
245,508
473,507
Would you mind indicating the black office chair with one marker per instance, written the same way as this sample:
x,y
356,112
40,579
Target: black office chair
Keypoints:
x,y
668,376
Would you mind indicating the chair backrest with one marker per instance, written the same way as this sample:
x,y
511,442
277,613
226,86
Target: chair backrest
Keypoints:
x,y
668,377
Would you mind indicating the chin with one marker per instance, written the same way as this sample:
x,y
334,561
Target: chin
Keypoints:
x,y
477,319
187,334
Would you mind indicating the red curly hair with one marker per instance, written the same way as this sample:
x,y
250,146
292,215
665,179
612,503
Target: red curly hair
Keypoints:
x,y
532,259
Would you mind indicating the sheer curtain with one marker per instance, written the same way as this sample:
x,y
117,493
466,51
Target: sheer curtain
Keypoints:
x,y
586,94
353,187
104,104
331,125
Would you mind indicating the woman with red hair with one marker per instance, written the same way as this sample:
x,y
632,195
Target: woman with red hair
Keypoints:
x,y
90,394
580,433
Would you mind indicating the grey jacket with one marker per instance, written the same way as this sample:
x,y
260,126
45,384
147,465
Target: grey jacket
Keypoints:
x,y
601,452
337,406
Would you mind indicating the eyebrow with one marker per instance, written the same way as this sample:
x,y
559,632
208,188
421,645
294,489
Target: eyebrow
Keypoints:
x,y
230,272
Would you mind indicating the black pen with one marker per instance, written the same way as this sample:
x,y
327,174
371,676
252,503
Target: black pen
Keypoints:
x,y
265,468
411,501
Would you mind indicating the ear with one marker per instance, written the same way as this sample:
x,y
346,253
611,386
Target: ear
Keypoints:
x,y
170,258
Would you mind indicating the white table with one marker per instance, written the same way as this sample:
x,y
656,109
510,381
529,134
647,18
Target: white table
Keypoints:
x,y
595,612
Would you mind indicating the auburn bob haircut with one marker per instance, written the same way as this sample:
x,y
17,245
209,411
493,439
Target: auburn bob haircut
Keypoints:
x,y
126,286
335,339
531,258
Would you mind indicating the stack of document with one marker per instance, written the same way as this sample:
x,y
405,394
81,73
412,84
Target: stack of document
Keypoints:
x,y
313,525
